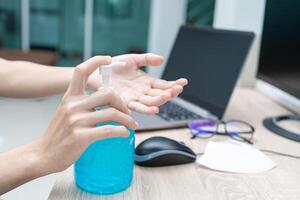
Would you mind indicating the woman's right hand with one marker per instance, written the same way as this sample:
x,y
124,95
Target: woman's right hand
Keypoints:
x,y
73,126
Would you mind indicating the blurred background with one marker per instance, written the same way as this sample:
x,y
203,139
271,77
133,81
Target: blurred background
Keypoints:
x,y
65,32
77,29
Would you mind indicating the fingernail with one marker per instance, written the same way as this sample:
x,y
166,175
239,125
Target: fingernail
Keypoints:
x,y
137,124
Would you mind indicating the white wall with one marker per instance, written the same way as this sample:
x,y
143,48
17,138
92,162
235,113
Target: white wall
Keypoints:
x,y
166,17
245,15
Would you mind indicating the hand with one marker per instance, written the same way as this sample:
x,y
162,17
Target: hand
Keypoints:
x,y
140,92
73,126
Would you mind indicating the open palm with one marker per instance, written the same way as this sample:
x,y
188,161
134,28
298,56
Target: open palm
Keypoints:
x,y
141,92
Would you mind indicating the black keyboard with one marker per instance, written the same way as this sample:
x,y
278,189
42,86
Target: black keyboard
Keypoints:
x,y
173,112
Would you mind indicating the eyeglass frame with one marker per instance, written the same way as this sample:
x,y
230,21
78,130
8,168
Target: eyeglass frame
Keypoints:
x,y
226,132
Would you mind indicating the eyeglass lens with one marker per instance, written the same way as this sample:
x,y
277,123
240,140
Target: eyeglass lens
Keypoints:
x,y
238,130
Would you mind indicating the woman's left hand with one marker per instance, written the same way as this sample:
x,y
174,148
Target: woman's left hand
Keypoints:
x,y
141,92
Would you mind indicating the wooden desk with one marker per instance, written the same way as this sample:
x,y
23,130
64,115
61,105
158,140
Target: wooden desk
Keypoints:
x,y
192,181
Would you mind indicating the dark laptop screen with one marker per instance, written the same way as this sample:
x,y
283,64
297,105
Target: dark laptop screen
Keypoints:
x,y
211,60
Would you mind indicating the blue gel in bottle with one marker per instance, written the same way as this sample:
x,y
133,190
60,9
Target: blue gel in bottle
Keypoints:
x,y
106,166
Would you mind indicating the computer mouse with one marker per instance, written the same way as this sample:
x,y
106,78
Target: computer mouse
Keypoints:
x,y
162,151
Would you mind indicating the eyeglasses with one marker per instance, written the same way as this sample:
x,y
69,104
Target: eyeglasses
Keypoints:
x,y
236,129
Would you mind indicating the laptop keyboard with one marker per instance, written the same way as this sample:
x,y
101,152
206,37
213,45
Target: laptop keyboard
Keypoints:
x,y
173,112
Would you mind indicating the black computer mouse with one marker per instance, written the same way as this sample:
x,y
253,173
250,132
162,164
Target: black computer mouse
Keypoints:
x,y
162,151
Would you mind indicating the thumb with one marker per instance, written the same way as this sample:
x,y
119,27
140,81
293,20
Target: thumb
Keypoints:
x,y
83,71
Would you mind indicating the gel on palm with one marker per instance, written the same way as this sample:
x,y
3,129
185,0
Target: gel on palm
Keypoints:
x,y
106,166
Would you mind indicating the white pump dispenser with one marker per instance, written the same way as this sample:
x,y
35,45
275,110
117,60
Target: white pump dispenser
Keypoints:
x,y
106,71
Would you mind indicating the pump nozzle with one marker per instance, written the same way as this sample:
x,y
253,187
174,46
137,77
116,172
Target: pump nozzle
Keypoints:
x,y
106,71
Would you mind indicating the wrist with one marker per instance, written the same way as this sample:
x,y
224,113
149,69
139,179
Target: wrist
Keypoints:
x,y
67,74
19,166
36,157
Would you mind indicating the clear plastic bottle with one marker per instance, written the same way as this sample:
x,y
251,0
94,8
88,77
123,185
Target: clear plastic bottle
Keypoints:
x,y
106,166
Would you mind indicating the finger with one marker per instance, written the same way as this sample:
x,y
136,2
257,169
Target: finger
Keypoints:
x,y
147,59
182,82
155,100
141,108
175,90
170,93
103,97
94,63
163,84
157,92
83,71
109,115
106,131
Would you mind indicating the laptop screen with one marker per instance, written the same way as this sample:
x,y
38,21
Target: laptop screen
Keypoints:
x,y
211,60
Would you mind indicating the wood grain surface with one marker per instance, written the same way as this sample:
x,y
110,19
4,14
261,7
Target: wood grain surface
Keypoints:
x,y
192,181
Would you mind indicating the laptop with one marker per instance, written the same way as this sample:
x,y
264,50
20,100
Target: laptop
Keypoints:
x,y
211,59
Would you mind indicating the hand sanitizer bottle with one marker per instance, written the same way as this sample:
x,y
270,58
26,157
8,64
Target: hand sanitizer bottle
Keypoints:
x,y
106,166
